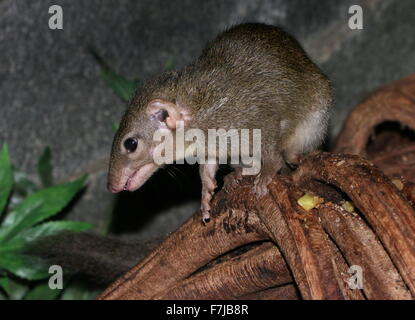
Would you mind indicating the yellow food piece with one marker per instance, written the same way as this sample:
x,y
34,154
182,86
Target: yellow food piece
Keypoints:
x,y
398,183
348,206
309,201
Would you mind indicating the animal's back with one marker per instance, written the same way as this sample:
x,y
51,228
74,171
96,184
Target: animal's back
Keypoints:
x,y
253,72
258,45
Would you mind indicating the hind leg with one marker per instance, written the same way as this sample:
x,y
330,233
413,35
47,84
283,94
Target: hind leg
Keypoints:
x,y
306,137
294,149
292,158
272,162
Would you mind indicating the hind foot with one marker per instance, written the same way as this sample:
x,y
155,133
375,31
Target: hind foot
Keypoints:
x,y
261,184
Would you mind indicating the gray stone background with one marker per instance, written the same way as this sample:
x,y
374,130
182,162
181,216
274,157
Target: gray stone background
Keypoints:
x,y
52,94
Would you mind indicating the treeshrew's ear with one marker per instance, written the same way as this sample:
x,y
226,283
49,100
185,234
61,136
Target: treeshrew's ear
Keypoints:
x,y
167,113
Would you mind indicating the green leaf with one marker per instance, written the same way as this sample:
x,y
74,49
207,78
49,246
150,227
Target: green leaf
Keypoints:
x,y
39,206
4,283
52,228
6,177
29,236
43,292
121,86
115,126
23,186
169,65
9,226
23,266
45,168
14,289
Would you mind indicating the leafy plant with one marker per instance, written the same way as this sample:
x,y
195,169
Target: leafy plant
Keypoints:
x,y
44,168
25,212
170,64
122,87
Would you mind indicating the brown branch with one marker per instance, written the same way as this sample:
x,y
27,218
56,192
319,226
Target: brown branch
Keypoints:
x,y
258,269
304,245
286,292
394,102
408,190
397,162
381,279
186,250
382,204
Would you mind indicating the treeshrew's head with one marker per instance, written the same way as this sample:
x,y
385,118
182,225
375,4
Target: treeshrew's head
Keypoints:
x,y
132,161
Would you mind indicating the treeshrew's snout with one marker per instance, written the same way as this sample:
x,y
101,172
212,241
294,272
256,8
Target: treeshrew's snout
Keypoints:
x,y
128,179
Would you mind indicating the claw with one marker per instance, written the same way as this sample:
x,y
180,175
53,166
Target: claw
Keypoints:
x,y
205,220
205,207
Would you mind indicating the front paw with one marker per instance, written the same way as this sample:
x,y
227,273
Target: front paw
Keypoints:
x,y
205,216
205,206
261,185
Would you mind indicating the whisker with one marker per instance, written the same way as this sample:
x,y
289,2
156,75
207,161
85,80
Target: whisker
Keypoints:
x,y
173,175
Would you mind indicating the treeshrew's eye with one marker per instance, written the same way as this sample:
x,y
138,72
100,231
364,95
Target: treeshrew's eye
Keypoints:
x,y
131,144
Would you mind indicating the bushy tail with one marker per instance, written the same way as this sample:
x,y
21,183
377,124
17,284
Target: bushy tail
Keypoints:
x,y
101,259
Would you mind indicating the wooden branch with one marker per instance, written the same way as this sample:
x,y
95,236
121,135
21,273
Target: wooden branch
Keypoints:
x,y
303,244
377,198
185,251
399,162
260,268
381,279
394,102
286,292
408,190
